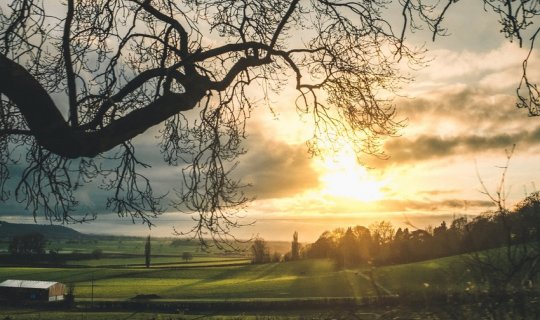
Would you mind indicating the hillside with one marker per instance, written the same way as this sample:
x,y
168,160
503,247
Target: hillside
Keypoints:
x,y
9,230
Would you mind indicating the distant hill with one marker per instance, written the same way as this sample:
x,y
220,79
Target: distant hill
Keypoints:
x,y
9,230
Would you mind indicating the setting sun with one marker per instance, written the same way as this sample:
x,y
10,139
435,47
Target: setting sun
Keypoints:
x,y
343,176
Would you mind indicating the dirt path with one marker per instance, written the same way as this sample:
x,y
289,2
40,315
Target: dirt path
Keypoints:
x,y
370,279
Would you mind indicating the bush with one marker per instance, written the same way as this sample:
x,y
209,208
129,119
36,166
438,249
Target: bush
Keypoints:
x,y
97,253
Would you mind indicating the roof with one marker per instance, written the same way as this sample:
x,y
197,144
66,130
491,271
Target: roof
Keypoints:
x,y
28,284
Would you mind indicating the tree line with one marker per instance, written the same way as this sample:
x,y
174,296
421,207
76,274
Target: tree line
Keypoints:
x,y
381,243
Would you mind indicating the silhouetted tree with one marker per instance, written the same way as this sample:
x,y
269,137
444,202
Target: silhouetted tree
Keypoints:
x,y
440,230
259,251
187,256
400,246
324,247
28,244
69,297
97,253
147,252
118,68
295,247
382,232
349,248
364,242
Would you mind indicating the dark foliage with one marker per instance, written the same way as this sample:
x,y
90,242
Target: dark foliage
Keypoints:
x,y
147,252
295,247
380,244
28,244
260,253
187,256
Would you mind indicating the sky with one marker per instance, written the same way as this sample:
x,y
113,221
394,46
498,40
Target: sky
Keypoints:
x,y
460,120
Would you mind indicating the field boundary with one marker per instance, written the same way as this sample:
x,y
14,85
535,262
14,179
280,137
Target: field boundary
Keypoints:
x,y
237,304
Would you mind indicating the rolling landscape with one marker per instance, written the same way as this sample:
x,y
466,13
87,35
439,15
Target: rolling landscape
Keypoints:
x,y
347,273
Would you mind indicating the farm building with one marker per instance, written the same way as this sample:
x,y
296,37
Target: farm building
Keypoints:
x,y
29,290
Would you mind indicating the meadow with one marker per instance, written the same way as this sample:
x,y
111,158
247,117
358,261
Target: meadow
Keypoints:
x,y
117,285
305,280
300,279
306,289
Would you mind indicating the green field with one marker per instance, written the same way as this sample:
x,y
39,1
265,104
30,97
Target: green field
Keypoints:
x,y
301,279
119,281
210,280
120,274
447,274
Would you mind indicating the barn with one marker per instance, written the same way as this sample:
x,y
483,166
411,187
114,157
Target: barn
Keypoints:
x,y
29,290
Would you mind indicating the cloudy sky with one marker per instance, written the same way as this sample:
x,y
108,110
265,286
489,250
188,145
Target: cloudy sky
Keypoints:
x,y
461,117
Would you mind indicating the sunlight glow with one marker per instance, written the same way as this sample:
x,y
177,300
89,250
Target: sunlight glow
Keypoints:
x,y
343,176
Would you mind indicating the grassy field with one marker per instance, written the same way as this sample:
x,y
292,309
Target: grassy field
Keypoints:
x,y
135,245
119,276
120,273
438,275
215,280
301,279
207,281
160,246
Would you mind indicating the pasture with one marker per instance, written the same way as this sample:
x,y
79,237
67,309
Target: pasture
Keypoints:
x,y
118,281
119,273
301,279
287,290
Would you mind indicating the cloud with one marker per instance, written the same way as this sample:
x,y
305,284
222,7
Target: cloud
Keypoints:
x,y
461,108
276,169
458,120
495,67
394,205
436,192
429,147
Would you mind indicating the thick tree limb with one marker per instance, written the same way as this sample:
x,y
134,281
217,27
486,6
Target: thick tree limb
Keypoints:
x,y
52,131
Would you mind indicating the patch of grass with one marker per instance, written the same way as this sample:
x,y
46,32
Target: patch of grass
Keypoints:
x,y
442,275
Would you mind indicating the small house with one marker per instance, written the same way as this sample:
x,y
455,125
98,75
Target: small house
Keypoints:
x,y
29,290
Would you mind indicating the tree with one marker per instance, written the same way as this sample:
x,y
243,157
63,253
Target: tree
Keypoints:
x,y
97,253
28,244
276,257
295,247
349,249
187,256
510,271
324,247
259,251
80,79
382,232
147,252
69,298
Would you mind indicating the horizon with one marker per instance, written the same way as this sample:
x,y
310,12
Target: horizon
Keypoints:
x,y
309,228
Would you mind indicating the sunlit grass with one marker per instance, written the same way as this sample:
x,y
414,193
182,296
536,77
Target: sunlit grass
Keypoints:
x,y
442,275
299,279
